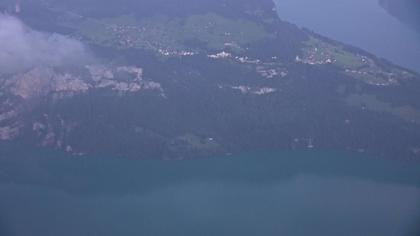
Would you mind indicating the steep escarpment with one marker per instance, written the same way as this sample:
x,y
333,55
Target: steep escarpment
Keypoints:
x,y
170,79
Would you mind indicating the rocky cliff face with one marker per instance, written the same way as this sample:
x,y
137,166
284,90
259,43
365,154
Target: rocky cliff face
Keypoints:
x,y
172,80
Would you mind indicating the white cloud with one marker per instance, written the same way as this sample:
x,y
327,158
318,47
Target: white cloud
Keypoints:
x,y
22,48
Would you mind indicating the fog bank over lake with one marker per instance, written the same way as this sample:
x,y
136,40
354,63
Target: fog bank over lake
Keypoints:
x,y
361,23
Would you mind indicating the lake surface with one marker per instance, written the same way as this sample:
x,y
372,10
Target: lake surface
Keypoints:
x,y
270,193
361,23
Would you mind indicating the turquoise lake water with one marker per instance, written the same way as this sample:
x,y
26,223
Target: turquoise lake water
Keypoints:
x,y
261,193
361,23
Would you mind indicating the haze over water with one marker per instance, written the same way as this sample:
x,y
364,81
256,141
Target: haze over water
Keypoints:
x,y
263,193
272,193
361,23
